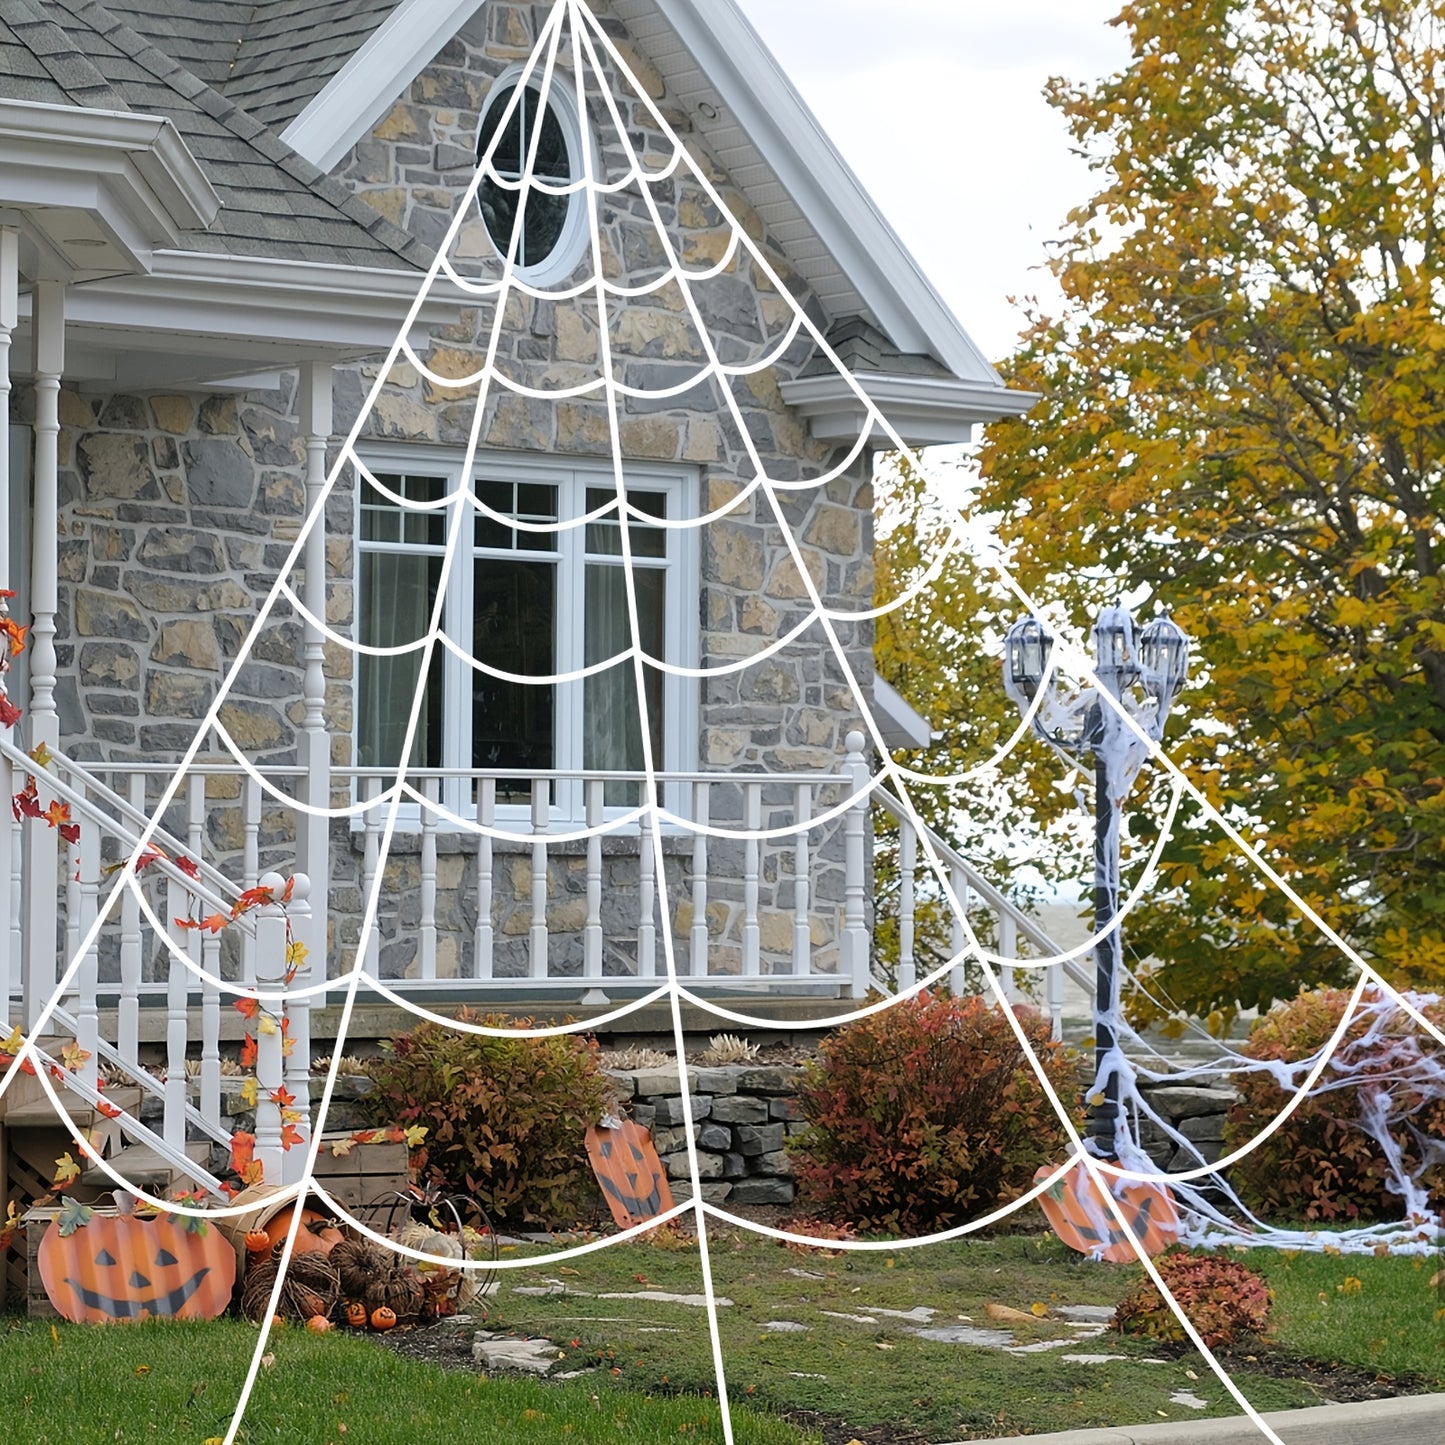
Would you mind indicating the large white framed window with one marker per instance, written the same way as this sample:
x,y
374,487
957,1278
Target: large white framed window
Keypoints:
x,y
532,603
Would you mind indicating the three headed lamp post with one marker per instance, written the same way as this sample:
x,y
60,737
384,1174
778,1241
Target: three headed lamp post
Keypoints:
x,y
1143,670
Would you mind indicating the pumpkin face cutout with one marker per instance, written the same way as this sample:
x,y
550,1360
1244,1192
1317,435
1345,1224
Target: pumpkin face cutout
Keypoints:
x,y
122,1268
1085,1222
630,1173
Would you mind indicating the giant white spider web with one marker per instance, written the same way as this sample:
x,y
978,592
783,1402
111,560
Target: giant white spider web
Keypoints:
x,y
574,50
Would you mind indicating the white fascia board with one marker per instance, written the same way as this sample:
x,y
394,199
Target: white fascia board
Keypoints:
x,y
143,155
752,85
191,297
901,724
375,78
923,410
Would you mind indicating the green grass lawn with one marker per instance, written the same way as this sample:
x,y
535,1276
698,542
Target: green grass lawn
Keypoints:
x,y
177,1384
650,1364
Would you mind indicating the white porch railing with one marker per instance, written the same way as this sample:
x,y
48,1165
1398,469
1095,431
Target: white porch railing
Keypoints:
x,y
494,886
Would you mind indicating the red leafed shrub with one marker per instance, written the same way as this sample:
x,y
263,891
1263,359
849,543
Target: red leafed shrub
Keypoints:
x,y
1322,1164
927,1114
506,1118
1222,1298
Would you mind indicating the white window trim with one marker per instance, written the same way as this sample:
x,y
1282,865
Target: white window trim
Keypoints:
x,y
682,622
571,245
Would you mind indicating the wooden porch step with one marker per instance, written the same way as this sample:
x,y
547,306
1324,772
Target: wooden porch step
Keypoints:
x,y
143,1167
25,1104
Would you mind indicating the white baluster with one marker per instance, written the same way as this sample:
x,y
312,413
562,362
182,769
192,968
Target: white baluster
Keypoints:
x,y
541,817
250,866
646,899
701,805
128,1005
1008,947
72,899
752,853
958,975
370,861
428,934
297,1067
270,1065
857,962
9,852
802,886
1054,994
487,817
210,1077
177,995
592,934
907,868
87,1013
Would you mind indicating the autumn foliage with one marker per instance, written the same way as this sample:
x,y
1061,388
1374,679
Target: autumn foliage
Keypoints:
x,y
1223,1300
506,1116
928,1114
1244,414
1323,1165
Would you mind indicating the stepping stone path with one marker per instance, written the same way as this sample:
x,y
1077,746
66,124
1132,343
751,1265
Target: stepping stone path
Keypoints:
x,y
785,1327
501,1352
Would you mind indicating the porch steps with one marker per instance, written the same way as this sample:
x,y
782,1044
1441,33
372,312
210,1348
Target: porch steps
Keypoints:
x,y
143,1167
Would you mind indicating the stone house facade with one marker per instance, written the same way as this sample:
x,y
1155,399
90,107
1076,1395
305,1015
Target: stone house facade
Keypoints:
x,y
183,475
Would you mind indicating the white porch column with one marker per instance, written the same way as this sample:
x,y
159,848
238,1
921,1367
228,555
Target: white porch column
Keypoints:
x,y
314,745
42,872
9,829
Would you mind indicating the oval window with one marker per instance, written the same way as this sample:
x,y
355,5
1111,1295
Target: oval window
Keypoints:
x,y
545,217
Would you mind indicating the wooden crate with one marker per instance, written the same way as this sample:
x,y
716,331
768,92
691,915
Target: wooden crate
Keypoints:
x,y
363,1175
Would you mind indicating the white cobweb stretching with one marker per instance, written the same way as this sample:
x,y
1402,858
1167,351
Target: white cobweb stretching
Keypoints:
x,y
573,50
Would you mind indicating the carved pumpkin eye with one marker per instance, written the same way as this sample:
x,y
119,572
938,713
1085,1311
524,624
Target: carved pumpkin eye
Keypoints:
x,y
138,1280
165,1257
105,1257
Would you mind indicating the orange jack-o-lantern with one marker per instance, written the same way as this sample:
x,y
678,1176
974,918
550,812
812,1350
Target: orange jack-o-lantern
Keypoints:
x,y
318,1324
383,1318
120,1267
356,1314
1082,1218
317,1234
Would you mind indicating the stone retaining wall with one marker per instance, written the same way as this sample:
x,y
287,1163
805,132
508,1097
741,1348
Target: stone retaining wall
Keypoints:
x,y
1197,1113
741,1116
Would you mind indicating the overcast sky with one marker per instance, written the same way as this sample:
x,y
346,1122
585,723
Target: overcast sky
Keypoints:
x,y
937,105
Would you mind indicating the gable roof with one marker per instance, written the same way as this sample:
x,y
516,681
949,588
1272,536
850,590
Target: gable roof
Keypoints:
x,y
41,64
744,107
270,57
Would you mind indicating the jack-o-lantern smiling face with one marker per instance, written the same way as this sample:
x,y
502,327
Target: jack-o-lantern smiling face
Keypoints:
x,y
126,1268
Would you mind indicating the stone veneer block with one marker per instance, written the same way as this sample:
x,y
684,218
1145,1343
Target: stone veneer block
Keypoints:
x,y
674,1110
740,1109
717,1081
769,1080
752,1141
709,1166
762,1191
650,1083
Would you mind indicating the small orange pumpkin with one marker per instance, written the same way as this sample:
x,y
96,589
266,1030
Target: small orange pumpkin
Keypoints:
x,y
122,1267
356,1314
1085,1222
258,1242
318,1324
383,1317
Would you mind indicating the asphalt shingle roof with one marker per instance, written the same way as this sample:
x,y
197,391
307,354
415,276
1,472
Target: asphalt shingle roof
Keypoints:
x,y
271,57
275,204
40,62
862,347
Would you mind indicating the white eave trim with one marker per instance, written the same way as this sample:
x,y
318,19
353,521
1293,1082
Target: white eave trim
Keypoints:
x,y
375,78
260,309
923,410
168,184
757,91
901,724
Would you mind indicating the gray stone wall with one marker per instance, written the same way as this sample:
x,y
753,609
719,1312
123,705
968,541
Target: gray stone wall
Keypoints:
x,y
741,1116
178,511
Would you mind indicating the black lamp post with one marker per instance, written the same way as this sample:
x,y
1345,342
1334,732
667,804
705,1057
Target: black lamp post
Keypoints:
x,y
1143,671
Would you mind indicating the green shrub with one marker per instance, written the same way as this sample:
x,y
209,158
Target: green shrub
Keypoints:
x,y
927,1114
1222,1298
1322,1164
506,1118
